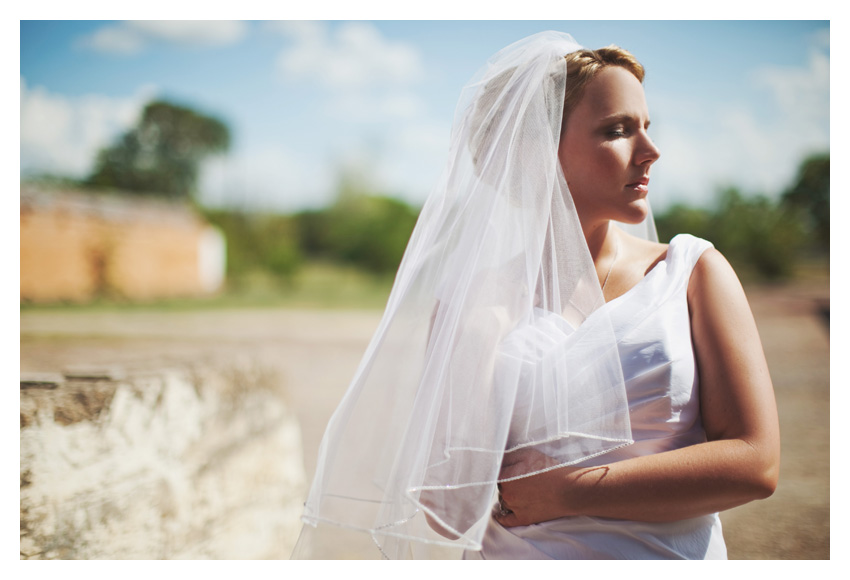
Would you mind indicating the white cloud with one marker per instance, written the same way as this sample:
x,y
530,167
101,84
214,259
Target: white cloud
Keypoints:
x,y
271,177
802,95
62,135
375,106
756,144
192,32
355,55
404,105
299,31
381,130
820,39
405,163
414,158
114,40
133,36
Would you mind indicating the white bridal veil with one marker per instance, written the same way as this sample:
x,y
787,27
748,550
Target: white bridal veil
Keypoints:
x,y
492,360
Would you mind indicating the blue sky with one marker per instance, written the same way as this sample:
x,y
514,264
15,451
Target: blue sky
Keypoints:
x,y
731,102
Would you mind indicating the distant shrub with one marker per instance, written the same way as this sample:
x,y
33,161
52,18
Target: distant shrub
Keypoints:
x,y
810,194
765,234
265,242
681,218
363,230
753,232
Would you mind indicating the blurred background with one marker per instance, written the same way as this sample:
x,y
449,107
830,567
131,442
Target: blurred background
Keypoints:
x,y
212,213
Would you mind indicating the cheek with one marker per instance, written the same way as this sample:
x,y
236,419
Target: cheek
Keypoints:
x,y
611,158
591,170
576,165
588,173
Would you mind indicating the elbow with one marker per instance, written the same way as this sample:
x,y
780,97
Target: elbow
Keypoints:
x,y
765,473
765,485
760,488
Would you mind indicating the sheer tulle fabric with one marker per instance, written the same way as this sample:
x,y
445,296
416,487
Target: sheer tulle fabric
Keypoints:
x,y
491,361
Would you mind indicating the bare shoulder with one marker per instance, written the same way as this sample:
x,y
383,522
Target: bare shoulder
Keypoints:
x,y
713,274
715,294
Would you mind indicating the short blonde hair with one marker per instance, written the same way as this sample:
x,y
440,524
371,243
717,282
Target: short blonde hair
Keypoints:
x,y
583,66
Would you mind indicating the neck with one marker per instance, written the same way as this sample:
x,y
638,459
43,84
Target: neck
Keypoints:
x,y
600,239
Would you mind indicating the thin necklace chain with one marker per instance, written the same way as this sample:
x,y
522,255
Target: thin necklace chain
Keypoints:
x,y
611,268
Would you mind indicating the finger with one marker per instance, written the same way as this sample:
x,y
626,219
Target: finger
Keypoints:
x,y
507,519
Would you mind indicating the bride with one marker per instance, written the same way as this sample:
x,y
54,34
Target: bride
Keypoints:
x,y
549,381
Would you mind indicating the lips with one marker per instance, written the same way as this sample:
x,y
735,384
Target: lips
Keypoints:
x,y
641,186
644,181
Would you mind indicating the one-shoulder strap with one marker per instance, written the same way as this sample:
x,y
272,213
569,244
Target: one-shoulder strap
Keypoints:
x,y
684,253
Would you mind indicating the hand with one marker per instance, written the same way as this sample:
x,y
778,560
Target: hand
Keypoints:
x,y
546,496
534,499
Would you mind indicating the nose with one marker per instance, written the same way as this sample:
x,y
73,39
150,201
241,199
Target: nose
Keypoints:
x,y
647,153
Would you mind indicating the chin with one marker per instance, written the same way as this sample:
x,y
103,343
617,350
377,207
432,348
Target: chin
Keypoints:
x,y
636,212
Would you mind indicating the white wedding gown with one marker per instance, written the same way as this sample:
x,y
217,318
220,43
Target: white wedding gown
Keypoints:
x,y
652,326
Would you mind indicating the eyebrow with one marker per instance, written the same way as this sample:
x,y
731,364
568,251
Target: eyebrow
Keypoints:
x,y
620,117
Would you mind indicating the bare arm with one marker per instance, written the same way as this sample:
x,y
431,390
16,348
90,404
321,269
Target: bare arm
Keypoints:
x,y
738,463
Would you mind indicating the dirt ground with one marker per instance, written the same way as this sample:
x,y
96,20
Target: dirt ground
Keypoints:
x,y
313,355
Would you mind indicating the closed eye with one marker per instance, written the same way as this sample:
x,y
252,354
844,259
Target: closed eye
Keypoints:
x,y
620,125
621,131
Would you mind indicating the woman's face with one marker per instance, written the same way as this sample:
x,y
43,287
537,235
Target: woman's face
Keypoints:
x,y
605,151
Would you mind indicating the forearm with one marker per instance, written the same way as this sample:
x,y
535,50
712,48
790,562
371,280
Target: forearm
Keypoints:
x,y
669,486
674,485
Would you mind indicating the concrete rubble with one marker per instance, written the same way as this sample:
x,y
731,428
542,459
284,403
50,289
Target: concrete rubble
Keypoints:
x,y
182,463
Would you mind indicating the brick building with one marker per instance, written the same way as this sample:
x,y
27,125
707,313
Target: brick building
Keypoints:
x,y
76,246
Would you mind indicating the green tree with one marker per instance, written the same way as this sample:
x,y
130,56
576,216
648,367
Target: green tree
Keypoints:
x,y
370,231
681,218
756,234
810,194
758,231
361,228
258,242
161,155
